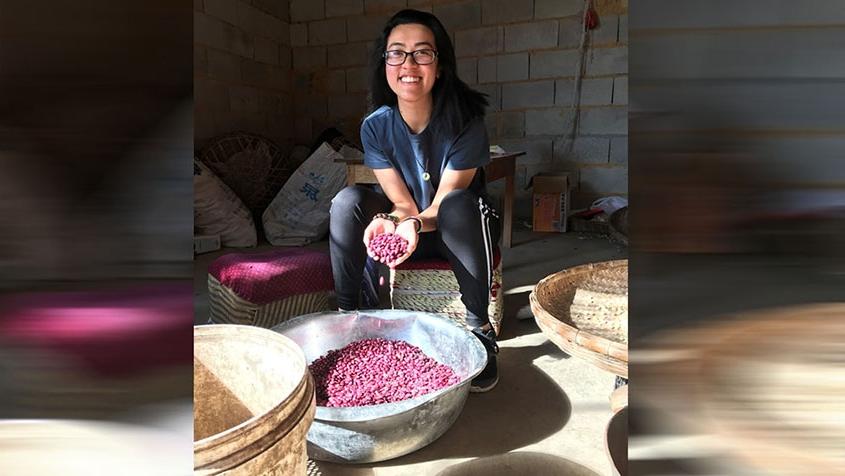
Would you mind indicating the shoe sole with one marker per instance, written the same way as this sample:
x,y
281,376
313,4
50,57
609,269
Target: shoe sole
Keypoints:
x,y
475,389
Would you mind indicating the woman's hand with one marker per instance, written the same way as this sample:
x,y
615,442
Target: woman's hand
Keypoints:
x,y
375,228
407,230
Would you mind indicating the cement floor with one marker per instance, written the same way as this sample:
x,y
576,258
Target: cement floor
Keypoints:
x,y
548,414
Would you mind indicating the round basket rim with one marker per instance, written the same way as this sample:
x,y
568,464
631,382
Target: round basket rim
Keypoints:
x,y
603,352
702,350
214,142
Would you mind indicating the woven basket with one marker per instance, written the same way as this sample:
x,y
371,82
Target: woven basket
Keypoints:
x,y
436,290
257,180
766,383
226,307
778,372
619,225
581,310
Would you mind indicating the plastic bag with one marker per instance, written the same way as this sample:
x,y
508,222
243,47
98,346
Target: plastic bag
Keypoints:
x,y
299,214
218,211
610,204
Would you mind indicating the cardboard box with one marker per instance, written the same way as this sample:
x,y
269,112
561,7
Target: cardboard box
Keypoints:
x,y
551,202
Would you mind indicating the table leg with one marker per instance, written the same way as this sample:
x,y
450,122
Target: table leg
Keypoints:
x,y
350,175
508,224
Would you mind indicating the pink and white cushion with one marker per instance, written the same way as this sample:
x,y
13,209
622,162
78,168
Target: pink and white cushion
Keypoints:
x,y
265,289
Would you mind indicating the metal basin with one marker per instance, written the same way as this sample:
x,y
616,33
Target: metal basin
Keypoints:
x,y
380,432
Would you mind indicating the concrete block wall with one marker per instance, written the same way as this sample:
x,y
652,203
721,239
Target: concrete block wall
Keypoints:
x,y
525,55
242,69
290,70
522,53
331,41
769,78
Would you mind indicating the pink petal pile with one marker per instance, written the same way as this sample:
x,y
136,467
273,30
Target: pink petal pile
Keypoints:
x,y
374,371
388,247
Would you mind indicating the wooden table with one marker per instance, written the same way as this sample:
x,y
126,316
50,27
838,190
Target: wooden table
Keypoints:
x,y
501,166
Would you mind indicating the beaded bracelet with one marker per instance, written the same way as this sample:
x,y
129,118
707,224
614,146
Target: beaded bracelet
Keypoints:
x,y
387,216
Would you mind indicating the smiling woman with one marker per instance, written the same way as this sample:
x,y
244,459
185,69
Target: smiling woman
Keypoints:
x,y
426,141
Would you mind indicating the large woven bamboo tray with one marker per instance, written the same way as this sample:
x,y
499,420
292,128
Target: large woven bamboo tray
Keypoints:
x,y
552,305
766,384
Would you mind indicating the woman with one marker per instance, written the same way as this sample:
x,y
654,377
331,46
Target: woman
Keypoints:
x,y
427,144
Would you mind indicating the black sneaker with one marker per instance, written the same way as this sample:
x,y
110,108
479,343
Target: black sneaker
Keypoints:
x,y
489,377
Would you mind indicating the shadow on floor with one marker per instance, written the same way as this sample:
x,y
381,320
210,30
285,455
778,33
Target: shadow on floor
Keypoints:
x,y
519,320
520,411
519,463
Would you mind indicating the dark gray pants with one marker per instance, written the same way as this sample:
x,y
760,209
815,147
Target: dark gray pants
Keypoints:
x,y
467,231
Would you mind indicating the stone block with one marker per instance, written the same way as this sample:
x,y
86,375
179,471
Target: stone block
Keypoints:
x,y
529,94
554,63
534,35
327,32
512,67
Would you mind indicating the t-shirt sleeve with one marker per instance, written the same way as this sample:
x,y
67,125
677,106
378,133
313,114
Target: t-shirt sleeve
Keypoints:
x,y
374,157
471,149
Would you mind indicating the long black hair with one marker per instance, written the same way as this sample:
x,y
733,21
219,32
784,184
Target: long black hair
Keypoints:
x,y
454,103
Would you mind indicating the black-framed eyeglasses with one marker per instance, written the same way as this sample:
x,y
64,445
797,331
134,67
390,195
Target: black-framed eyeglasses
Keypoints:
x,y
421,57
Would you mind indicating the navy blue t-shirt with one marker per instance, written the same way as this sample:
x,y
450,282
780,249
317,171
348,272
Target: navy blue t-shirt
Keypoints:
x,y
389,143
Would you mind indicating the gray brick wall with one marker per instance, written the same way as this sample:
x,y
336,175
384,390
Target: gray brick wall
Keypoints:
x,y
487,69
607,61
552,122
333,81
528,94
494,96
522,54
479,41
585,150
604,120
604,180
357,79
350,54
278,8
497,12
569,32
309,58
468,70
620,90
597,92
327,32
266,50
512,124
549,64
557,8
534,35
619,150
365,28
512,67
299,35
340,8
243,69
459,16
389,6
305,10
